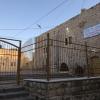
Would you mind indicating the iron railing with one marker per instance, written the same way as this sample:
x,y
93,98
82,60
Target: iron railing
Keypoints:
x,y
10,54
51,58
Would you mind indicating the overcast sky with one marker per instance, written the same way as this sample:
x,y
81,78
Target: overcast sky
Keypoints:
x,y
20,14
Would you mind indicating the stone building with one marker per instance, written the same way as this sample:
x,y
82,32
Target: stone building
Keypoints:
x,y
75,43
8,60
82,29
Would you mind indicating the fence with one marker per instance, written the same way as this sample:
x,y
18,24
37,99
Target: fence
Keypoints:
x,y
50,58
10,54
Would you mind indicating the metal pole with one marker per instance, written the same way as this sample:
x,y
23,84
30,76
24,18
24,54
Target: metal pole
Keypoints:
x,y
19,63
87,59
48,56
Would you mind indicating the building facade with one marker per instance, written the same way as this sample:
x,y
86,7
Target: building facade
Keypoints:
x,y
8,60
69,40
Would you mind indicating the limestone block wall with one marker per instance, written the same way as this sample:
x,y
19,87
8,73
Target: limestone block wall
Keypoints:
x,y
65,89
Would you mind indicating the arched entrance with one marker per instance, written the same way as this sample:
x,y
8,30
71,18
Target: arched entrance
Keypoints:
x,y
64,67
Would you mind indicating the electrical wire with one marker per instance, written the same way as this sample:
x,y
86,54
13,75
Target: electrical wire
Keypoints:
x,y
42,17
23,29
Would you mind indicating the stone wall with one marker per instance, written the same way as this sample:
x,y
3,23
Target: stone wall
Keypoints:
x,y
64,89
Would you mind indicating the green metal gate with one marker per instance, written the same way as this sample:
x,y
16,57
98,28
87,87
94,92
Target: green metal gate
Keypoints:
x,y
10,57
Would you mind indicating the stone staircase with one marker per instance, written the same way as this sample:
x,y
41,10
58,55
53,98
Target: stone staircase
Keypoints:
x,y
13,92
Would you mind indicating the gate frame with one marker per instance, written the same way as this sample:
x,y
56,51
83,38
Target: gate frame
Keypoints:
x,y
19,55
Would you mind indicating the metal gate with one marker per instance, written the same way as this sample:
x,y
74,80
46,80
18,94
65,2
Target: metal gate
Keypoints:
x,y
10,57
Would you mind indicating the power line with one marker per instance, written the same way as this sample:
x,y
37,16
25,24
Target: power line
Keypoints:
x,y
10,29
23,29
37,28
42,17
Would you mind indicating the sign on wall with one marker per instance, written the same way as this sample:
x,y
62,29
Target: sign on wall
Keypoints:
x,y
92,31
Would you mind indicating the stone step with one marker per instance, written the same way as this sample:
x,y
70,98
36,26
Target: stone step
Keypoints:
x,y
20,98
11,89
13,92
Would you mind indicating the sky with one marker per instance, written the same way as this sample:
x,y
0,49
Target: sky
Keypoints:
x,y
16,15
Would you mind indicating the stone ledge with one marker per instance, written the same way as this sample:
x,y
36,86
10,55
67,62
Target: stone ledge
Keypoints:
x,y
61,79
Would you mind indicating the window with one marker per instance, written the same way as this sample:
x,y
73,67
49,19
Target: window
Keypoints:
x,y
11,63
14,63
45,50
66,41
70,40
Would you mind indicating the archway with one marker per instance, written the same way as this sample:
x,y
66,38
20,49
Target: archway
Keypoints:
x,y
64,67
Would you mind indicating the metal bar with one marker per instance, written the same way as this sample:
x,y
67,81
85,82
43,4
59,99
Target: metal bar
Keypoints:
x,y
74,43
87,59
19,63
9,43
34,43
9,39
47,60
